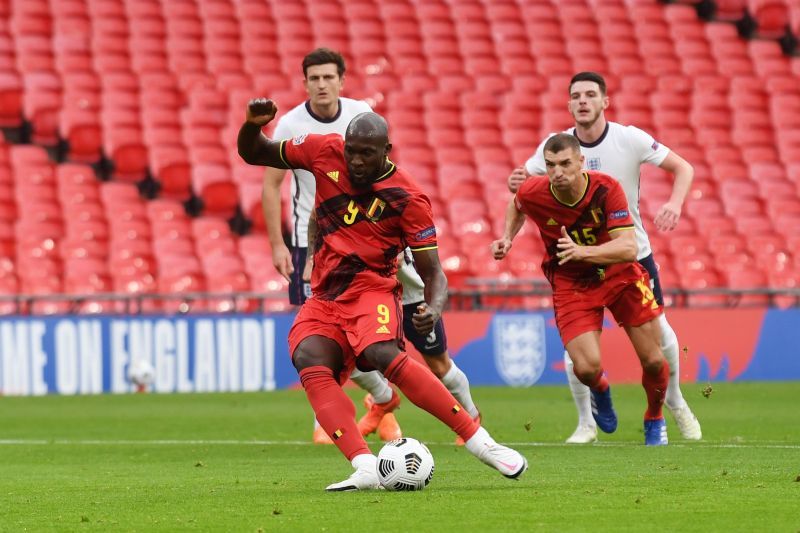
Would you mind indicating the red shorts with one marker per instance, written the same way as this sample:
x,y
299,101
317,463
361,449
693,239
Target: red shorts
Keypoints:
x,y
627,295
354,325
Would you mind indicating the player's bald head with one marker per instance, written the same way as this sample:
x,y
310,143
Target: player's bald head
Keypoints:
x,y
368,125
366,146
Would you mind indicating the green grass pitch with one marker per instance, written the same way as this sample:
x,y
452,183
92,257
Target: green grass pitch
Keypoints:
x,y
242,462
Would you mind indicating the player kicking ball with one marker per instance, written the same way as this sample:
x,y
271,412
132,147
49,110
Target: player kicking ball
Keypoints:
x,y
326,111
591,264
367,211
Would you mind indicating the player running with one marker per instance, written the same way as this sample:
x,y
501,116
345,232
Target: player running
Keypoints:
x,y
367,211
324,112
589,236
619,151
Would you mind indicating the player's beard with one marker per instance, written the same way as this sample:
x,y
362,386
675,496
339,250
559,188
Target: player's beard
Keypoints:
x,y
587,121
364,183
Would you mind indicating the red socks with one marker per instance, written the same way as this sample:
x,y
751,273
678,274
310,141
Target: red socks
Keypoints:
x,y
426,392
599,383
655,386
334,410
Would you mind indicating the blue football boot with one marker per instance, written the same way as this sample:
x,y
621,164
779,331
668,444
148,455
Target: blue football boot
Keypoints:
x,y
603,411
655,432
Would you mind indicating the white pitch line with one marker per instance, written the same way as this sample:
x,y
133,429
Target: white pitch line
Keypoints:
x,y
218,442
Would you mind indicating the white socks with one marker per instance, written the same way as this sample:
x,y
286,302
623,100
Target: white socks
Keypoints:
x,y
480,440
457,383
580,393
672,353
364,461
374,383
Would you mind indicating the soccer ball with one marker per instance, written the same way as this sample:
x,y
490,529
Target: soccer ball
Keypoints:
x,y
141,372
405,464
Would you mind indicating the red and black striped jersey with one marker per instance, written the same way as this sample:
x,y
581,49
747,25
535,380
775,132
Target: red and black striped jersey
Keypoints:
x,y
360,231
602,209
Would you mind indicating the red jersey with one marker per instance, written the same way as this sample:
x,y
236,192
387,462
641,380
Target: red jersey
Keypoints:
x,y
360,231
602,209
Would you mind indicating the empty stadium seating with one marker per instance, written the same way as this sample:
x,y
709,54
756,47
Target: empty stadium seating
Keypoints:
x,y
149,94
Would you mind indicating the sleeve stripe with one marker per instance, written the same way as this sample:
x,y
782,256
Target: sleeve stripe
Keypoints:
x,y
282,152
424,248
618,228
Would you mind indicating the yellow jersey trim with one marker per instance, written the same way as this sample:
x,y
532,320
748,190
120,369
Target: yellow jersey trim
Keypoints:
x,y
576,202
282,153
618,228
388,173
424,248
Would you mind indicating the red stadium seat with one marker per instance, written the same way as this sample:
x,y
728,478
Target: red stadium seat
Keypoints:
x,y
744,206
759,153
171,169
735,65
772,17
753,224
81,130
11,95
704,207
700,281
125,148
87,276
213,185
747,279
730,10
41,283
250,203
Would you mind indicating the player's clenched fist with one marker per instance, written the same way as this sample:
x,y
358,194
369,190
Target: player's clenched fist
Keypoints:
x,y
424,319
500,248
517,178
261,111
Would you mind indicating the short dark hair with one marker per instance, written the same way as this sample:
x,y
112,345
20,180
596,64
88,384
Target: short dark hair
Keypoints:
x,y
562,141
588,76
323,56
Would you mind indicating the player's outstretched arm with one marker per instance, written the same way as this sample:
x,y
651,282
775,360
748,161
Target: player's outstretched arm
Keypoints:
x,y
622,248
669,214
430,270
514,222
516,178
254,147
271,207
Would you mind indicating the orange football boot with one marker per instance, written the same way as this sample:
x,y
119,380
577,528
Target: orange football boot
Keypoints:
x,y
389,429
320,437
376,412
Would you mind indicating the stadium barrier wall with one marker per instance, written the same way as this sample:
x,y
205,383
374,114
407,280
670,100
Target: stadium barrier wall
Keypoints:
x,y
208,353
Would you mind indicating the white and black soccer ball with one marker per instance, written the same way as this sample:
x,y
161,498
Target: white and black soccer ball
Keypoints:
x,y
405,464
141,372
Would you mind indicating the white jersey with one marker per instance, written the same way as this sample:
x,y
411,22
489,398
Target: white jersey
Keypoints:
x,y
413,287
619,152
299,121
